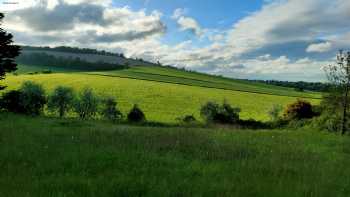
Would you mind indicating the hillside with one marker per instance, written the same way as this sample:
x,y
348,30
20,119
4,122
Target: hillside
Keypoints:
x,y
87,55
50,157
166,94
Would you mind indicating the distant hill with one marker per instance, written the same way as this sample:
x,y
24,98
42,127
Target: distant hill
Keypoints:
x,y
75,58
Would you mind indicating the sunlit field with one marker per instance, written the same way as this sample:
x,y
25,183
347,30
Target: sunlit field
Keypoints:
x,y
163,102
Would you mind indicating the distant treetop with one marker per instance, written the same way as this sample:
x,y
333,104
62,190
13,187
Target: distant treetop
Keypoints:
x,y
73,50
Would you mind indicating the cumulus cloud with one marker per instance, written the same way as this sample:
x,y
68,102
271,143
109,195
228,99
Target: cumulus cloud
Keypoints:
x,y
187,23
319,47
285,39
82,21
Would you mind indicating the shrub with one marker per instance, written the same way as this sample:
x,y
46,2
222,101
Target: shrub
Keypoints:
x,y
86,105
110,110
32,98
61,100
275,112
299,110
187,119
46,71
136,115
11,102
225,114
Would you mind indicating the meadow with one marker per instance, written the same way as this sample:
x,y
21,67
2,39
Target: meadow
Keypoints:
x,y
163,100
71,158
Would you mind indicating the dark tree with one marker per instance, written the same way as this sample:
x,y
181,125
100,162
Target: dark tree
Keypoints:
x,y
339,76
8,52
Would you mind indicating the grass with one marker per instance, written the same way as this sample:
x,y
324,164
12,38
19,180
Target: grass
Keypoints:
x,y
55,158
25,69
163,74
161,102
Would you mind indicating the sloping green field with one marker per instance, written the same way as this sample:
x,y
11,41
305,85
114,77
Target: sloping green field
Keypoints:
x,y
166,94
164,74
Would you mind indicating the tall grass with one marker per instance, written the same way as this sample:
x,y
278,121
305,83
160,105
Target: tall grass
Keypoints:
x,y
51,157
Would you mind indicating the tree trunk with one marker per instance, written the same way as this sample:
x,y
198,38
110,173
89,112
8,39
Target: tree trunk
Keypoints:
x,y
345,108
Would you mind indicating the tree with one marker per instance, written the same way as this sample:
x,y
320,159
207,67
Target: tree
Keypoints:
x,y
298,110
11,102
33,98
110,110
339,76
8,52
224,114
61,100
86,105
136,115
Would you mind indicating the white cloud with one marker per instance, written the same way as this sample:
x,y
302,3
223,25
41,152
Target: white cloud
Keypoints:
x,y
321,25
319,47
81,23
187,23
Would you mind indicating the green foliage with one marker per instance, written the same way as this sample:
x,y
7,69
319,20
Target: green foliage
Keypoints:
x,y
33,98
224,114
11,102
330,111
8,52
136,115
275,112
298,110
61,100
110,111
86,105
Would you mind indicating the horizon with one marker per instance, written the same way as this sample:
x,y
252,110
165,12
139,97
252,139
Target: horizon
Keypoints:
x,y
288,40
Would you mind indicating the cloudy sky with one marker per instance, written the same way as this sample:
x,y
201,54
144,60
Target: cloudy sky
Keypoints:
x,y
255,39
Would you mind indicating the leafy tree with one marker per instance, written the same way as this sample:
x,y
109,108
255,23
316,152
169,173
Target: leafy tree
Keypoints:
x,y
339,76
110,110
61,100
33,98
8,52
136,115
298,110
86,105
225,114
11,102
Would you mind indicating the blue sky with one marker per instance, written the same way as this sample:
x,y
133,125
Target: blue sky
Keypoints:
x,y
255,39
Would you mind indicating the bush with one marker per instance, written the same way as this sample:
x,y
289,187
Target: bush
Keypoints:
x,y
110,110
61,100
32,98
46,71
11,102
187,119
86,105
275,112
136,115
224,114
299,110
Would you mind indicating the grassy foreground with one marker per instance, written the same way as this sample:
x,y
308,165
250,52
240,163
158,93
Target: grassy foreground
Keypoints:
x,y
56,158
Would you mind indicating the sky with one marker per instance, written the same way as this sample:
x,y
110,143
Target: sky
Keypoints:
x,y
252,39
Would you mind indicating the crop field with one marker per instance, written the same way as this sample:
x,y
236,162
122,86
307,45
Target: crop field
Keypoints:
x,y
163,74
166,101
43,157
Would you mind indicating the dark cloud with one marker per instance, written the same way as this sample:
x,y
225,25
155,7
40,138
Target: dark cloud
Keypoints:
x,y
62,17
